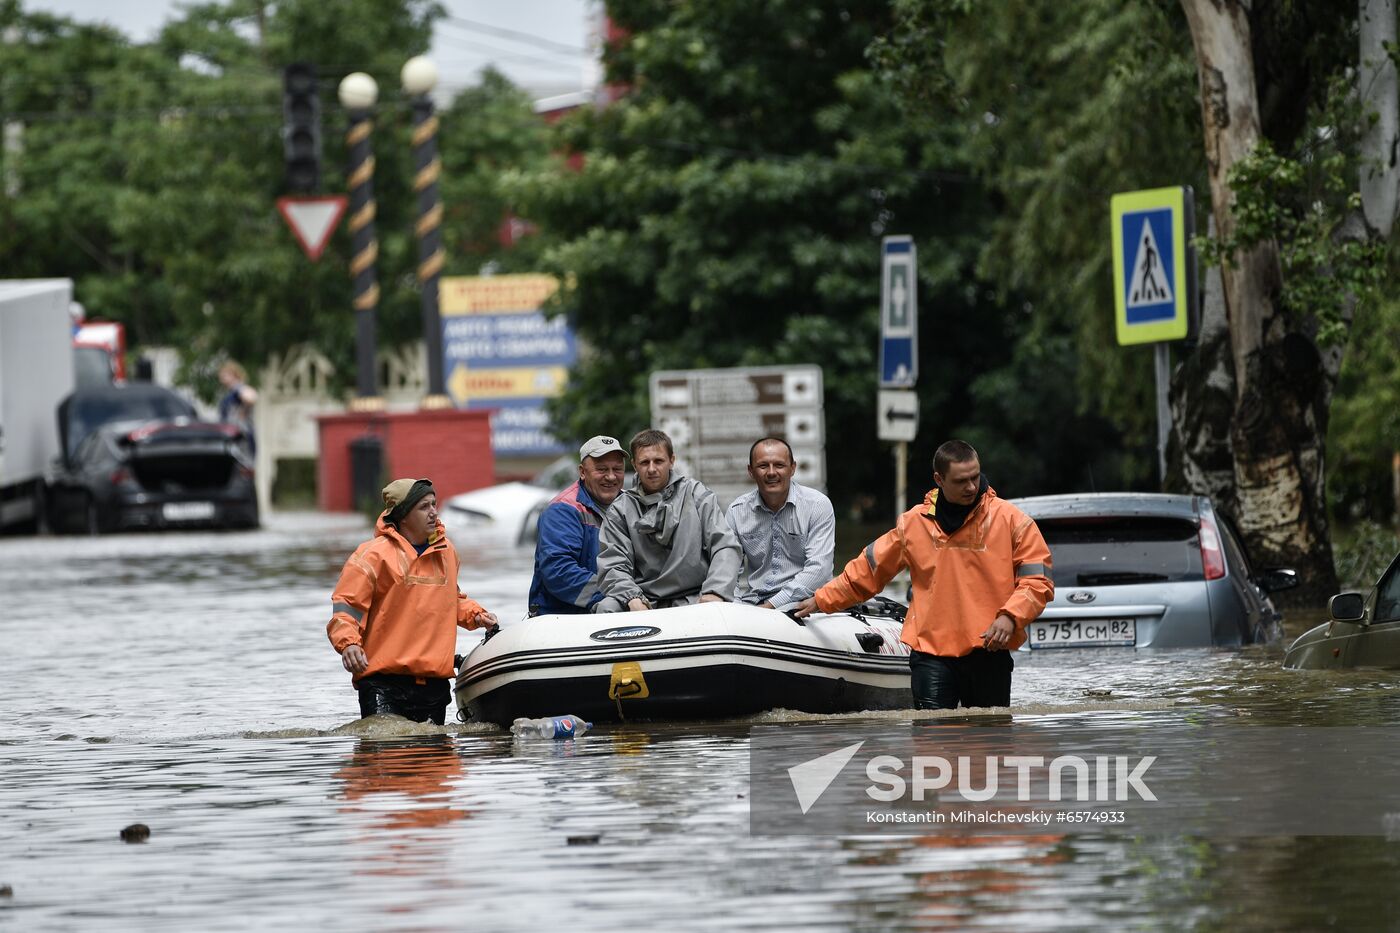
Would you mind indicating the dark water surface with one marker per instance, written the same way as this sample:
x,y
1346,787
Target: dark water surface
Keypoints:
x,y
184,681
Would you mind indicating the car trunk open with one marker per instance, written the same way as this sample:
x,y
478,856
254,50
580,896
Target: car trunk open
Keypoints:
x,y
182,459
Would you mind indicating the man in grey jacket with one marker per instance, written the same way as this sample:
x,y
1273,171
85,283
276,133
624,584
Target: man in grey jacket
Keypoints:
x,y
665,541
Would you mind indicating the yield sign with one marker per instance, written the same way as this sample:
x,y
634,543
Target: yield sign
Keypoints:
x,y
312,220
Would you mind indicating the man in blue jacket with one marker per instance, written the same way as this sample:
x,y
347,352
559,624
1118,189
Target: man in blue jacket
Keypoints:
x,y
566,551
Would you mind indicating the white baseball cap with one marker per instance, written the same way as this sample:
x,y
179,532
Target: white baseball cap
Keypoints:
x,y
598,446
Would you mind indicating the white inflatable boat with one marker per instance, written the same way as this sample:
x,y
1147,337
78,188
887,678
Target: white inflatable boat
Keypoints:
x,y
707,661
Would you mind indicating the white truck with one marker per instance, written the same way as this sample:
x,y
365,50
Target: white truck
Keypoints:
x,y
36,374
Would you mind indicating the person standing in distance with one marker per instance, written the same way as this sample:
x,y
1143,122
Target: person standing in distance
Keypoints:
x,y
566,549
236,404
665,541
981,574
787,531
396,608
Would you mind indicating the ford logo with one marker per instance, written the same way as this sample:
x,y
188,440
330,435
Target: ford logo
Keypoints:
x,y
1081,597
627,631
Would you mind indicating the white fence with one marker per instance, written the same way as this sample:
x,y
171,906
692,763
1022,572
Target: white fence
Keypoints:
x,y
295,387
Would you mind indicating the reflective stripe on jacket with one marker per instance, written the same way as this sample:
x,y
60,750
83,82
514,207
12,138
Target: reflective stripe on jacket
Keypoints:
x,y
996,562
401,607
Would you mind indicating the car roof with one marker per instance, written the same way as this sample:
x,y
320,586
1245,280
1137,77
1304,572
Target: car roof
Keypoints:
x,y
1089,504
125,390
86,410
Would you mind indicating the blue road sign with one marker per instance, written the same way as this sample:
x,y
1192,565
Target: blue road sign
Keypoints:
x,y
1153,269
899,313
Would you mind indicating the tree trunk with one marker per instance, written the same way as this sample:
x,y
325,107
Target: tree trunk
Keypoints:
x,y
1203,404
1380,173
1380,146
1283,383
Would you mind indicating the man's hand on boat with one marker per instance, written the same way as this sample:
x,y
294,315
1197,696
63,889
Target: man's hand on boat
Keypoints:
x,y
354,660
805,608
485,619
637,604
998,634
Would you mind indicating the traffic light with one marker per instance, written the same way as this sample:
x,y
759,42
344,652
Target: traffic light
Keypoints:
x,y
301,130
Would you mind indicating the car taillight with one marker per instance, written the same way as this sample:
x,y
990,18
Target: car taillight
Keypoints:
x,y
1212,558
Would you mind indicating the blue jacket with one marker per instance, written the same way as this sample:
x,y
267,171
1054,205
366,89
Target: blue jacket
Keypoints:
x,y
566,554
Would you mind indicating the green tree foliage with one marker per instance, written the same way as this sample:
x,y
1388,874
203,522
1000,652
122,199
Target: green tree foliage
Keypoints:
x,y
1300,201
1062,104
1364,435
149,172
1066,104
728,211
489,131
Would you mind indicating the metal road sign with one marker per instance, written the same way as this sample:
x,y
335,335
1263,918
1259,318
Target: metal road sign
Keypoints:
x,y
899,313
713,416
313,220
897,415
1154,274
501,352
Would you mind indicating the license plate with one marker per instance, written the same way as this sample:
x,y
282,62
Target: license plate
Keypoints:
x,y
1082,633
187,511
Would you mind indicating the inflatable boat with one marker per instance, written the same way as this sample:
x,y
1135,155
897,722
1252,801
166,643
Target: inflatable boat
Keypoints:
x,y
706,661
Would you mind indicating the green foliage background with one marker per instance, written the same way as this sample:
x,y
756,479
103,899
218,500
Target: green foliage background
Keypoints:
x,y
726,209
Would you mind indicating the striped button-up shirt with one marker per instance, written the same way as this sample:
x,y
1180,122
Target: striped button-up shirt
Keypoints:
x,y
787,553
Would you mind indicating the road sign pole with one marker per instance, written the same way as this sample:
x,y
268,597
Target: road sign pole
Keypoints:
x,y
901,478
1162,366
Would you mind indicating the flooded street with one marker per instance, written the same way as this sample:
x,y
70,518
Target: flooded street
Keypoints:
x,y
185,681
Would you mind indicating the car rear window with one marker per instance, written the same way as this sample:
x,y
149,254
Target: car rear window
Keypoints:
x,y
1115,551
88,412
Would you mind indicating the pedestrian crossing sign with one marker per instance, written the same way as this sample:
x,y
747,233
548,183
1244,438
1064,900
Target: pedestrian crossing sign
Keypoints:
x,y
1153,265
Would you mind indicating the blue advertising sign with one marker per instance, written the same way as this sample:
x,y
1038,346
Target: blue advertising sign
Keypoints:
x,y
501,352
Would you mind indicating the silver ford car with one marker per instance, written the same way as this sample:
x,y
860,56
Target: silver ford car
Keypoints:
x,y
1148,570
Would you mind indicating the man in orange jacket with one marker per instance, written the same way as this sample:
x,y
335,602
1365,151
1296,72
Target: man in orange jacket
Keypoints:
x,y
396,608
981,574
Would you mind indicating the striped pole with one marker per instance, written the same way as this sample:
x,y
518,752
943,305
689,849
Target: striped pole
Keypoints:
x,y
419,76
358,93
430,254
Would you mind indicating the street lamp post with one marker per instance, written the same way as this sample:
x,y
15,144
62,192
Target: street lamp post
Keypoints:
x,y
419,76
358,92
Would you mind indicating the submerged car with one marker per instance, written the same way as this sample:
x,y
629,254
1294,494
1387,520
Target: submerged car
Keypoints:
x,y
1363,631
1144,570
509,509
137,456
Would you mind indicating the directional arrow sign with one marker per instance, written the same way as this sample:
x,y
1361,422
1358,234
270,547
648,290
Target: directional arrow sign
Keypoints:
x,y
899,313
898,415
313,220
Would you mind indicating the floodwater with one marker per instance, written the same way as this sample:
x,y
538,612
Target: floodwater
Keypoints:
x,y
184,681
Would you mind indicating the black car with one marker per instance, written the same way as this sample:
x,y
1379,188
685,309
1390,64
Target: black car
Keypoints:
x,y
137,456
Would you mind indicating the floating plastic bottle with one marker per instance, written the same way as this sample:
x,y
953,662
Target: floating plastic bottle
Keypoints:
x,y
551,727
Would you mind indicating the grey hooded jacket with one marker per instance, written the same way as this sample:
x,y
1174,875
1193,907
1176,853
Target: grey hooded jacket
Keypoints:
x,y
670,547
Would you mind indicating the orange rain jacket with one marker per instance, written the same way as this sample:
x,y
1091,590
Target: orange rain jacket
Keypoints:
x,y
401,607
996,562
